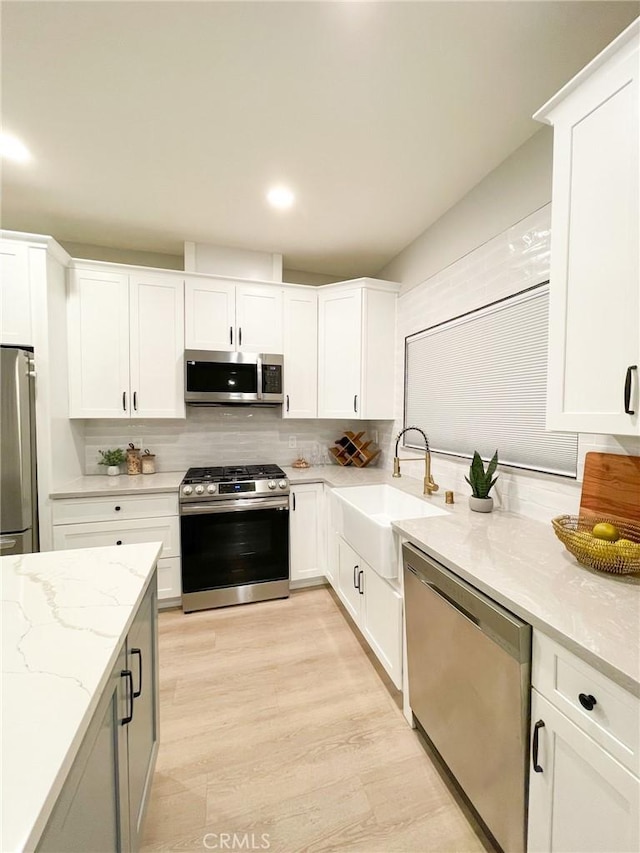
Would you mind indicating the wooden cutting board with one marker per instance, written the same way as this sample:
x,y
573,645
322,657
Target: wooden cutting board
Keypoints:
x,y
611,486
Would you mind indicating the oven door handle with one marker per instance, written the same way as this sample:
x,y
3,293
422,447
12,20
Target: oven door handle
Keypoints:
x,y
240,505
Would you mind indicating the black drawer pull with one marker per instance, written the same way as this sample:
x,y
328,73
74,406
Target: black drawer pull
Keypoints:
x,y
138,653
627,390
126,673
587,701
119,542
117,509
536,733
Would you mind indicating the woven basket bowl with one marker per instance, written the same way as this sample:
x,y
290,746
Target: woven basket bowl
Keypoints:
x,y
574,532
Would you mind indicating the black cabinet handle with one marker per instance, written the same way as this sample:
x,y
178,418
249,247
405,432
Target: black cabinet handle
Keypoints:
x,y
536,731
135,401
287,402
361,585
240,336
126,673
293,495
231,335
117,509
355,402
119,542
627,390
355,581
138,653
124,401
587,701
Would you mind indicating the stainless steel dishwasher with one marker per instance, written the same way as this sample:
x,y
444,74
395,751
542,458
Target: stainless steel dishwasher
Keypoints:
x,y
469,664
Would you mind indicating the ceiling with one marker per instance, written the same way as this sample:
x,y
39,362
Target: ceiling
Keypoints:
x,y
152,123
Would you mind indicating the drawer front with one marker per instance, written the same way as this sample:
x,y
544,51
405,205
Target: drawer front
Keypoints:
x,y
613,721
113,507
125,532
169,580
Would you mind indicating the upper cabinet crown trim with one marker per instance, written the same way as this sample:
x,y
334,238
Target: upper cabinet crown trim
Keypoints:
x,y
626,38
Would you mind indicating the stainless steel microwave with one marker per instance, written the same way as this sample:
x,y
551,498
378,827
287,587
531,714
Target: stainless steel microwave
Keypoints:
x,y
223,378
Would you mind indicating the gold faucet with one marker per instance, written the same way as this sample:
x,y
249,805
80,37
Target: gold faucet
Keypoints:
x,y
430,486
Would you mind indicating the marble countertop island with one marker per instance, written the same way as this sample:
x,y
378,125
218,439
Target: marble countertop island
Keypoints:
x,y
65,617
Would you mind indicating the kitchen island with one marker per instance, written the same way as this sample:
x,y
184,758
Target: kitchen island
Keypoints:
x,y
67,617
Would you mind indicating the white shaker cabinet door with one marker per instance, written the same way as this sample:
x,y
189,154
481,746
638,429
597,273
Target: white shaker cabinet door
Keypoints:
x,y
594,329
581,800
98,330
339,354
210,314
15,292
349,580
259,318
304,531
300,353
157,346
382,622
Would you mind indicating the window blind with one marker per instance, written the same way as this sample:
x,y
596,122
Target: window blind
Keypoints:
x,y
478,382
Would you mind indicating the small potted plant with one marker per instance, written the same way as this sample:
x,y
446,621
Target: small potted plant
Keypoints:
x,y
481,483
112,459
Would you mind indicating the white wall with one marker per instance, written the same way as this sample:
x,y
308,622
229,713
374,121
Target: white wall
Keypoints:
x,y
520,185
134,257
488,266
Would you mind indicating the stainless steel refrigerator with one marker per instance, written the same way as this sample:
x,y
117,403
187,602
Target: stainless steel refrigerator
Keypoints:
x,y
18,492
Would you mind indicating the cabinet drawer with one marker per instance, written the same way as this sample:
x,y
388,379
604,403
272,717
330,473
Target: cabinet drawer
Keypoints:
x,y
125,532
113,507
169,580
614,721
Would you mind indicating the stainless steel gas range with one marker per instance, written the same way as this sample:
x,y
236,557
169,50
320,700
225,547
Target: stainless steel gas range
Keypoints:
x,y
234,525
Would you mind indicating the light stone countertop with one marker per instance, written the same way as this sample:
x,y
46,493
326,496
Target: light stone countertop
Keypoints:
x,y
65,617
516,561
137,484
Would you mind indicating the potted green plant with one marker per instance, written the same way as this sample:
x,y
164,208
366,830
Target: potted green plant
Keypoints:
x,y
481,482
112,459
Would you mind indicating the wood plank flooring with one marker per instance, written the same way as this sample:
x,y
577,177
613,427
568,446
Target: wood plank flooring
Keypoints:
x,y
278,733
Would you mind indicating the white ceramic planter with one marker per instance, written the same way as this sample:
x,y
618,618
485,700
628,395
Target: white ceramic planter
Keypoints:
x,y
113,470
481,504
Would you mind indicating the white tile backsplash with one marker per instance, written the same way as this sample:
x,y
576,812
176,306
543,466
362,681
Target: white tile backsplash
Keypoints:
x,y
510,262
217,435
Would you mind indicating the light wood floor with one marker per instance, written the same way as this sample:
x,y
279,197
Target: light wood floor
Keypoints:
x,y
275,723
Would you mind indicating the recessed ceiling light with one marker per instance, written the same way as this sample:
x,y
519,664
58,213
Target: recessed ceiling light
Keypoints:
x,y
280,197
11,148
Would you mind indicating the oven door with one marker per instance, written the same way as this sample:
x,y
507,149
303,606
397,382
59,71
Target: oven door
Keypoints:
x,y
234,551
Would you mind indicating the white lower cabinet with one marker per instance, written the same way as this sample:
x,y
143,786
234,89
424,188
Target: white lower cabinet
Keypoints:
x,y
102,803
584,788
124,520
374,605
305,531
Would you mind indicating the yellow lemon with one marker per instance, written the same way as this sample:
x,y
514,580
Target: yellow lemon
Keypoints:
x,y
606,531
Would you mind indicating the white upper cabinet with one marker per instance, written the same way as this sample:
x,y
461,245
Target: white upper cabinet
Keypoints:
x,y
15,294
594,328
156,323
356,349
210,314
300,353
225,315
98,328
126,343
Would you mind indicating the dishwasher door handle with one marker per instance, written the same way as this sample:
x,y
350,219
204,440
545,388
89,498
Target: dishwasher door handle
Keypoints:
x,y
460,609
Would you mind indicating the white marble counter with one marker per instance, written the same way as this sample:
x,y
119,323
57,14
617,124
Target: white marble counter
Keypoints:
x,y
137,484
65,617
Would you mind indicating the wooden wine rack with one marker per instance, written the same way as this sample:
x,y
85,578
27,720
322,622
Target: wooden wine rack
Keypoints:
x,y
354,448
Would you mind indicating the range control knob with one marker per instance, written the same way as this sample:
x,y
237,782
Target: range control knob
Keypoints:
x,y
186,490
211,488
199,490
271,484
282,484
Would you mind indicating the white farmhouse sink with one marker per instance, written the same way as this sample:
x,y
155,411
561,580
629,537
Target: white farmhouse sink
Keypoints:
x,y
364,515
